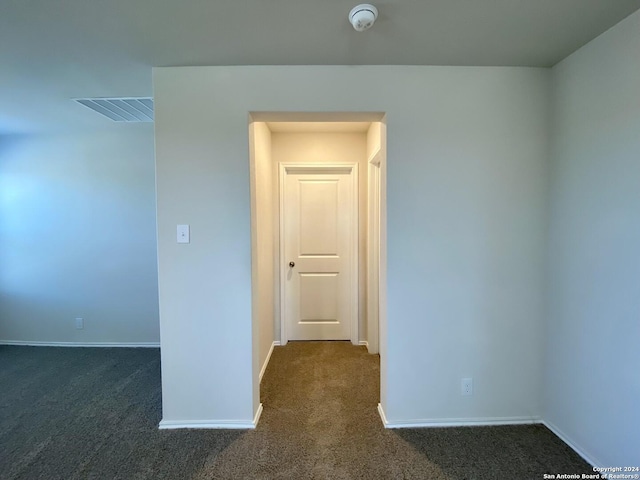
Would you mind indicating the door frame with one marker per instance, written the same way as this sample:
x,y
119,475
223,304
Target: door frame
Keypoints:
x,y
310,168
373,251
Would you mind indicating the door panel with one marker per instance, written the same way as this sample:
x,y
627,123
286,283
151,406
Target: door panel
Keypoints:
x,y
318,297
318,217
319,213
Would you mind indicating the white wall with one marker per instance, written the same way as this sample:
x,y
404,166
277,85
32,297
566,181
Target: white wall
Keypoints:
x,y
593,358
332,147
77,237
467,156
264,237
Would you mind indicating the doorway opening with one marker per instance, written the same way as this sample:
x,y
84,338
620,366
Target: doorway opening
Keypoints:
x,y
318,238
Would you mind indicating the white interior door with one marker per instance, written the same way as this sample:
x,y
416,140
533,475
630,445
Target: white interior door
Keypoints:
x,y
319,235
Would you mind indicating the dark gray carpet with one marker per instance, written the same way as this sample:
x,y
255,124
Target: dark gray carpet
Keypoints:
x,y
77,413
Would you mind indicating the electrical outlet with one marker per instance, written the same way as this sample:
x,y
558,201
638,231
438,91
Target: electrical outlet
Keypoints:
x,y
183,234
467,386
79,323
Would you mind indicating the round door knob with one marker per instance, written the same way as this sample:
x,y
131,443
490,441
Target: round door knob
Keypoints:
x,y
292,264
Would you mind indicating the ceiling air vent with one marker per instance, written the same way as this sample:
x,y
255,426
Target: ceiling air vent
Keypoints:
x,y
126,109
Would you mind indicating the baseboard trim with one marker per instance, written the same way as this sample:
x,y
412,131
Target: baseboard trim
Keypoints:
x,y
28,343
363,343
266,360
562,436
212,424
383,417
457,422
256,417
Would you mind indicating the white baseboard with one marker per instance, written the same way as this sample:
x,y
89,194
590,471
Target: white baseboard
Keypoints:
x,y
363,343
28,343
383,417
456,422
212,424
562,436
256,417
266,360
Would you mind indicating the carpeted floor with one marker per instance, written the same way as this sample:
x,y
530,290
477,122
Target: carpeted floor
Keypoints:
x,y
78,413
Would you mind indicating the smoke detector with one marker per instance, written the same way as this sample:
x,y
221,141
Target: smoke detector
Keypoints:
x,y
363,16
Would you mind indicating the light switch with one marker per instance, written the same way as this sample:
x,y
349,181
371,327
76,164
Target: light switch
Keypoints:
x,y
183,233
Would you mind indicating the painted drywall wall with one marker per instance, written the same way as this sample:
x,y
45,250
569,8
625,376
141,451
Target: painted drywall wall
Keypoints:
x,y
592,382
202,179
466,182
264,248
77,237
332,147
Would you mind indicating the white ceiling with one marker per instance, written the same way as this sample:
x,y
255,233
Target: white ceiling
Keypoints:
x,y
52,51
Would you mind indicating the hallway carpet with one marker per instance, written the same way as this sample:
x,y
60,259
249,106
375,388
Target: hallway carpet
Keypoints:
x,y
82,413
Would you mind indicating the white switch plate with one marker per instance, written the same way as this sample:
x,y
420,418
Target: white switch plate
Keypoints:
x,y
183,233
79,323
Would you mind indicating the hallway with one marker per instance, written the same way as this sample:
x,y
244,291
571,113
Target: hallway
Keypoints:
x,y
320,421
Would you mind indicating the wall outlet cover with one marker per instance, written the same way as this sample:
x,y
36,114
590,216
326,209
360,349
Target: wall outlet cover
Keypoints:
x,y
183,234
467,386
